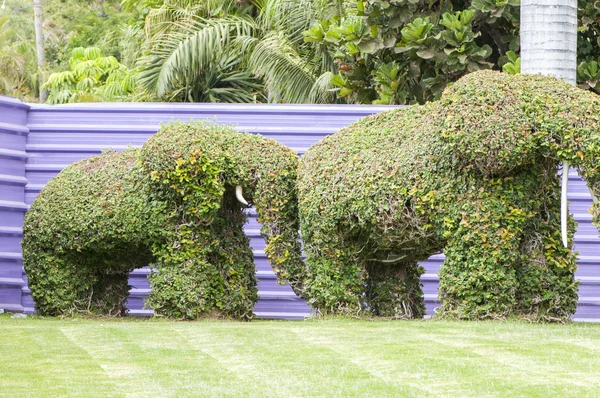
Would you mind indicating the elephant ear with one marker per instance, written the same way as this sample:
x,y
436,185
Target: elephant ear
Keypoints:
x,y
485,124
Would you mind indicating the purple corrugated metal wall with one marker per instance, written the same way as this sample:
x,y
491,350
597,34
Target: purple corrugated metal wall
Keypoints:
x,y
13,155
60,135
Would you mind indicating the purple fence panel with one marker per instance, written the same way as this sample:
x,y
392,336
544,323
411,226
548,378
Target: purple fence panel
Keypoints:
x,y
60,135
13,136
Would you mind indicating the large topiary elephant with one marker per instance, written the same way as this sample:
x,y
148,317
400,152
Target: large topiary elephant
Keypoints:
x,y
474,175
174,203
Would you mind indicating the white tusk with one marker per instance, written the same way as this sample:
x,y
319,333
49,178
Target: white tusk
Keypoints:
x,y
238,195
563,202
594,197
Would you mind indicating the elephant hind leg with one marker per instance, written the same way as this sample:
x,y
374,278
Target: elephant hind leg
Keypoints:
x,y
61,285
334,284
395,290
478,278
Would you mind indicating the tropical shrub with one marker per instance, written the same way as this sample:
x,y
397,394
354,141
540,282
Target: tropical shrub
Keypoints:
x,y
229,51
93,77
474,175
18,68
408,51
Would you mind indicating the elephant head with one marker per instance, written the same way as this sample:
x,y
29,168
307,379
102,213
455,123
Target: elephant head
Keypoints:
x,y
545,119
473,175
207,174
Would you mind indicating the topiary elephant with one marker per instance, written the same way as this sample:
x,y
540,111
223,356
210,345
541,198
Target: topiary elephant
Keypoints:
x,y
174,203
474,175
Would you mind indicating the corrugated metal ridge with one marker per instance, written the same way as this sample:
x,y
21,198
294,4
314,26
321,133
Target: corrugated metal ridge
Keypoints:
x,y
588,259
76,148
266,274
593,301
140,312
13,102
586,238
431,298
11,128
46,167
282,315
152,128
12,282
13,180
11,153
12,307
11,256
11,231
11,205
589,280
175,108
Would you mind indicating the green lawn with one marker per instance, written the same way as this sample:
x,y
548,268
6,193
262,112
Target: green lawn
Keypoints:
x,y
327,358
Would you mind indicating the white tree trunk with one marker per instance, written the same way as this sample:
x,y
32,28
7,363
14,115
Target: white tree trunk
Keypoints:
x,y
39,46
549,38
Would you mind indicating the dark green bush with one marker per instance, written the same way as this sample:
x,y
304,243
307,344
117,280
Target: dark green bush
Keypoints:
x,y
474,175
175,207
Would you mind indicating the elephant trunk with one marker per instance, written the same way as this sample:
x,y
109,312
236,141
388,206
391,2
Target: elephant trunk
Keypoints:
x,y
239,196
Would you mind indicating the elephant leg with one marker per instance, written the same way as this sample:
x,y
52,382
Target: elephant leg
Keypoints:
x,y
546,275
58,286
109,293
478,278
62,285
477,283
335,279
206,269
395,290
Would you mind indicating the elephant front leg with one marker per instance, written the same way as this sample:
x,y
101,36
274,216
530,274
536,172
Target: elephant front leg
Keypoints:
x,y
395,290
547,285
334,280
478,278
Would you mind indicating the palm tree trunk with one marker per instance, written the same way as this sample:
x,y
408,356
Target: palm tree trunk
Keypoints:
x,y
549,38
39,46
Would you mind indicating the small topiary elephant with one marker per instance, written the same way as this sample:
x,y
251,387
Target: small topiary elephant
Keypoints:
x,y
474,175
174,203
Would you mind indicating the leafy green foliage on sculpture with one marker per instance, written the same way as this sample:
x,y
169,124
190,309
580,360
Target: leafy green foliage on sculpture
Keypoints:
x,y
474,175
172,204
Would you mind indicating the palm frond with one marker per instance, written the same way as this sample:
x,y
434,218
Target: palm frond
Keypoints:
x,y
282,68
188,51
322,91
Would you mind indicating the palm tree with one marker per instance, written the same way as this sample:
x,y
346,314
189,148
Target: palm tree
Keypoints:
x,y
222,51
18,77
39,44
